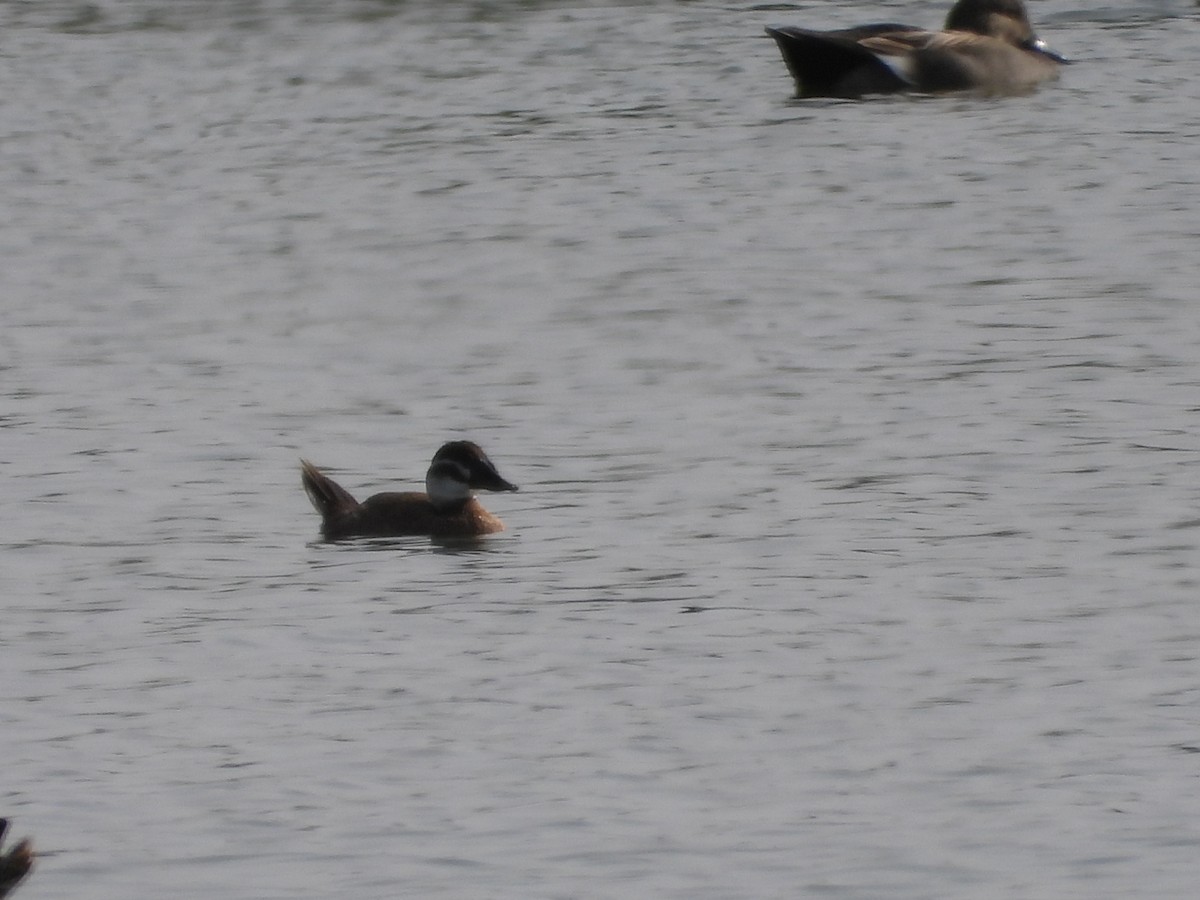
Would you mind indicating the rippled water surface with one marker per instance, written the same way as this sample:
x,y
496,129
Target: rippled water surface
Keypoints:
x,y
856,548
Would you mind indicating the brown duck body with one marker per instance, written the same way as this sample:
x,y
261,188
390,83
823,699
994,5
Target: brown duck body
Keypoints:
x,y
409,513
448,508
987,46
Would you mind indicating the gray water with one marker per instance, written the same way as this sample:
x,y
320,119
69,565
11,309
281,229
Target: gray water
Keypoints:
x,y
856,551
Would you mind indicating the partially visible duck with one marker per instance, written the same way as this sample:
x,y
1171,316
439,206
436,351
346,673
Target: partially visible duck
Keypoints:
x,y
447,509
16,863
987,45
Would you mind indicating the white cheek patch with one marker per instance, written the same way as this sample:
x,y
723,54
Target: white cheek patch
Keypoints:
x,y
445,488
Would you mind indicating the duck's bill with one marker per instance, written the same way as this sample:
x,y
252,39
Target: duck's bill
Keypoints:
x,y
495,483
1040,46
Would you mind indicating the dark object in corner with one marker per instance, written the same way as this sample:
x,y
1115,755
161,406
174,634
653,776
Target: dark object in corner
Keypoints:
x,y
16,863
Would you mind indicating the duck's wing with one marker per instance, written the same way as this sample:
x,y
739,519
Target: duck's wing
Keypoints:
x,y
911,40
959,61
841,63
863,32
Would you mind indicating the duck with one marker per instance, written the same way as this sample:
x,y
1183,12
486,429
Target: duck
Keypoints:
x,y
16,863
986,45
447,509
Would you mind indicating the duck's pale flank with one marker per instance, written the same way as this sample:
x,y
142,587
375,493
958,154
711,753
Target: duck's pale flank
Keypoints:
x,y
447,509
986,45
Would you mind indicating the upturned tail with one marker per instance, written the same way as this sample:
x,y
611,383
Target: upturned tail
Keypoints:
x,y
328,497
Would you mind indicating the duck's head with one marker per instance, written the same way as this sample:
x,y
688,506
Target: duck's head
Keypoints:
x,y
459,468
1005,20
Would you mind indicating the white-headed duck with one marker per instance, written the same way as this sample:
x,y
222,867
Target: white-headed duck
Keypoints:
x,y
447,509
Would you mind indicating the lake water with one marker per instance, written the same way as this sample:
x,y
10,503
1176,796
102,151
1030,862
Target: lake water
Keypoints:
x,y
859,450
